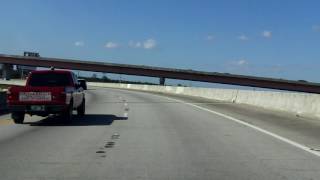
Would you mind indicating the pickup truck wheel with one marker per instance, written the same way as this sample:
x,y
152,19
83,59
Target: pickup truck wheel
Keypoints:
x,y
18,117
81,110
67,115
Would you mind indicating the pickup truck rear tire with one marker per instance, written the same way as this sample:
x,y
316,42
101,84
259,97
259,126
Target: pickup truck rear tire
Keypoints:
x,y
18,117
67,115
81,110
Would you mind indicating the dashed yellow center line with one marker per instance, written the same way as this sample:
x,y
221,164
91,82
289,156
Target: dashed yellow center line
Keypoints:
x,y
6,122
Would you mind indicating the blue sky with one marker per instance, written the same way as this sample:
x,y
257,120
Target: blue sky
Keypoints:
x,y
262,38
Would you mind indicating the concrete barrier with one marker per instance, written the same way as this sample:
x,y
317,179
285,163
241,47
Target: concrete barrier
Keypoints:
x,y
302,104
16,82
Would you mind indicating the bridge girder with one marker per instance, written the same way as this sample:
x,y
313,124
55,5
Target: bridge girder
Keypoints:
x,y
181,74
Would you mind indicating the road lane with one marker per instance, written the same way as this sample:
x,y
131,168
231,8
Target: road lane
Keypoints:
x,y
160,139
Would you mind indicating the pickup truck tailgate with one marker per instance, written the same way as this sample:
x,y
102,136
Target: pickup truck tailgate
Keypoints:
x,y
36,95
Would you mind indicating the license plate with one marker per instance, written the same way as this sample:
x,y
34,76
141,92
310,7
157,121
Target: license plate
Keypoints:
x,y
35,96
37,108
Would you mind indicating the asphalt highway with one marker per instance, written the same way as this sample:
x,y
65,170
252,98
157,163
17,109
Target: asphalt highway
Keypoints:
x,y
137,135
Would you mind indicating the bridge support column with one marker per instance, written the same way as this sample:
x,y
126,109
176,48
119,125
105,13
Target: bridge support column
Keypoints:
x,y
162,81
6,71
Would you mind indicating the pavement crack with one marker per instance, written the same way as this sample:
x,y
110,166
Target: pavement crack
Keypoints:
x,y
100,152
109,144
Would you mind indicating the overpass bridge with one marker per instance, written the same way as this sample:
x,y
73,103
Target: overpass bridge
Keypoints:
x,y
162,73
157,132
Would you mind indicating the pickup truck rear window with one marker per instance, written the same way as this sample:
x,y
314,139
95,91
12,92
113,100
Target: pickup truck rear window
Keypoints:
x,y
49,79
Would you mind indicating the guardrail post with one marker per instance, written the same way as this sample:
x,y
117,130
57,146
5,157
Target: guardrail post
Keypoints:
x,y
162,81
6,71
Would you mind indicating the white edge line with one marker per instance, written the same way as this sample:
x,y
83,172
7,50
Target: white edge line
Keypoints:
x,y
283,139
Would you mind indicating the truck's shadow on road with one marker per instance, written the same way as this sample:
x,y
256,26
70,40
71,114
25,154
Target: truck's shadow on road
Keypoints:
x,y
87,120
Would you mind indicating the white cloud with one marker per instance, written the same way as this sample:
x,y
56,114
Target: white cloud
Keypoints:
x,y
316,28
238,63
241,62
79,43
266,34
149,44
210,37
111,45
237,66
243,37
135,44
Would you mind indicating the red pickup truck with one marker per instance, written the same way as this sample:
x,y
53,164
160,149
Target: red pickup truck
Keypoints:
x,y
47,92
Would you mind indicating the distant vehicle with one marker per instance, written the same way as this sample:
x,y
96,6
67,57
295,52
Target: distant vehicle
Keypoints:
x,y
83,83
47,92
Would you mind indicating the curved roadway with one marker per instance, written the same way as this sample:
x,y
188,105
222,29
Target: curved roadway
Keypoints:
x,y
136,135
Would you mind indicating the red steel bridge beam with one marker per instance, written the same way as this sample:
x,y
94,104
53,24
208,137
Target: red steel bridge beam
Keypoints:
x,y
212,77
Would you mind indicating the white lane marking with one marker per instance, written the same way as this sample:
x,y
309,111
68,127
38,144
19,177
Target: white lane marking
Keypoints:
x,y
283,139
